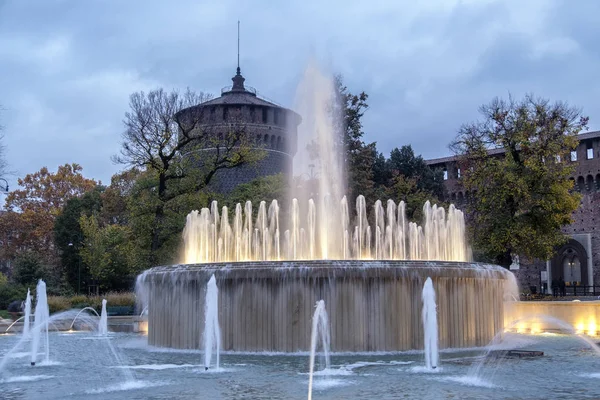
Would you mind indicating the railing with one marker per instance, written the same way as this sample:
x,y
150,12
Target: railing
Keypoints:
x,y
581,290
230,88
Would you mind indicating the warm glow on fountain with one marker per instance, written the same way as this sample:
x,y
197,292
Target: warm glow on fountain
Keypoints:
x,y
209,235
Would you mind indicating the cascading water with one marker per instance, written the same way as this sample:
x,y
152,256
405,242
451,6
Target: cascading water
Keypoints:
x,y
430,326
320,329
320,225
103,324
209,236
42,314
27,317
212,332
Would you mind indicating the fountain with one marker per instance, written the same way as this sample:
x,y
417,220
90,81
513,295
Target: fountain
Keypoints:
x,y
27,316
103,323
212,333
430,326
320,329
273,261
41,317
79,313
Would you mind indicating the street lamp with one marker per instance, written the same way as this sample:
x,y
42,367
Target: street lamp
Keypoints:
x,y
78,262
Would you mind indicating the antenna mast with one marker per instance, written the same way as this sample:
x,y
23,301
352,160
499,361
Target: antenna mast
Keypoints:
x,y
238,49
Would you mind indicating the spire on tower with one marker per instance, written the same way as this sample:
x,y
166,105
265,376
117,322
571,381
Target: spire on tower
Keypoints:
x,y
238,79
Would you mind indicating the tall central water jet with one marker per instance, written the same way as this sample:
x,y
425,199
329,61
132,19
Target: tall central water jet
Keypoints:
x,y
430,326
103,324
320,329
212,332
42,314
320,149
27,317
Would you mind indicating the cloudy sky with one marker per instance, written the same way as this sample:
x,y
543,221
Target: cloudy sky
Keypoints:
x,y
67,67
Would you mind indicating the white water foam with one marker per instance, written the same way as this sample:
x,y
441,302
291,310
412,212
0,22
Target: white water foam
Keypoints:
x,y
470,381
219,370
590,375
158,367
26,378
131,385
361,364
49,363
323,384
424,370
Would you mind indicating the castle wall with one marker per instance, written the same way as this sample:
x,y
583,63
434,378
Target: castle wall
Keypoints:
x,y
584,228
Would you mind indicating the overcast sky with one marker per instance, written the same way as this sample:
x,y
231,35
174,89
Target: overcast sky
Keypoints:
x,y
67,67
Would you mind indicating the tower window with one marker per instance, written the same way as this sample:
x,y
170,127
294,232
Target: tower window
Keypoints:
x,y
276,117
574,155
445,174
458,172
252,114
589,151
225,114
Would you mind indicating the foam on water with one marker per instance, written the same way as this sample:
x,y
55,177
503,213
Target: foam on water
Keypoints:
x,y
158,367
425,370
130,385
49,363
470,381
330,372
362,364
219,370
591,375
323,384
26,378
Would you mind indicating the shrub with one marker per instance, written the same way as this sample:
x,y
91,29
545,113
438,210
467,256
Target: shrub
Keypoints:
x,y
120,299
10,293
80,301
58,303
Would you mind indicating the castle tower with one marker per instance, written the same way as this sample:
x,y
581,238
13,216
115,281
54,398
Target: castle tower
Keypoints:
x,y
273,129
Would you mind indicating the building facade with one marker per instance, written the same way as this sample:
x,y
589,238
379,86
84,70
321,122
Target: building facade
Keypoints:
x,y
272,129
578,261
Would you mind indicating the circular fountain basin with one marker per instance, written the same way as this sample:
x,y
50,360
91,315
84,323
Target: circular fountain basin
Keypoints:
x,y
372,305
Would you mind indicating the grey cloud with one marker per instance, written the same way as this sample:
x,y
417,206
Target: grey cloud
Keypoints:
x,y
68,67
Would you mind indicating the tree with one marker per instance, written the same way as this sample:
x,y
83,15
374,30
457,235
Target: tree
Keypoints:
x,y
358,158
403,188
107,251
266,188
165,141
68,235
404,162
40,200
521,195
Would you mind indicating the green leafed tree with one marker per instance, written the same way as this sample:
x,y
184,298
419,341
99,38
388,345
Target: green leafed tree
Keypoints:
x,y
107,251
359,157
267,188
68,236
169,146
516,165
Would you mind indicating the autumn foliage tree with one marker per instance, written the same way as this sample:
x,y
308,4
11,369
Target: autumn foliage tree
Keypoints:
x,y
39,200
522,195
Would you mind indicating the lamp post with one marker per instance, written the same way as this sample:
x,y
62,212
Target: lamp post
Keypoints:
x,y
71,245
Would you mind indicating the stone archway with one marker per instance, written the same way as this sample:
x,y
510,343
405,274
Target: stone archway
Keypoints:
x,y
571,263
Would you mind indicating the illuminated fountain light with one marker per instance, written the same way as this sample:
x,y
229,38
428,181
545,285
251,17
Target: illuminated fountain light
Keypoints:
x,y
323,233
